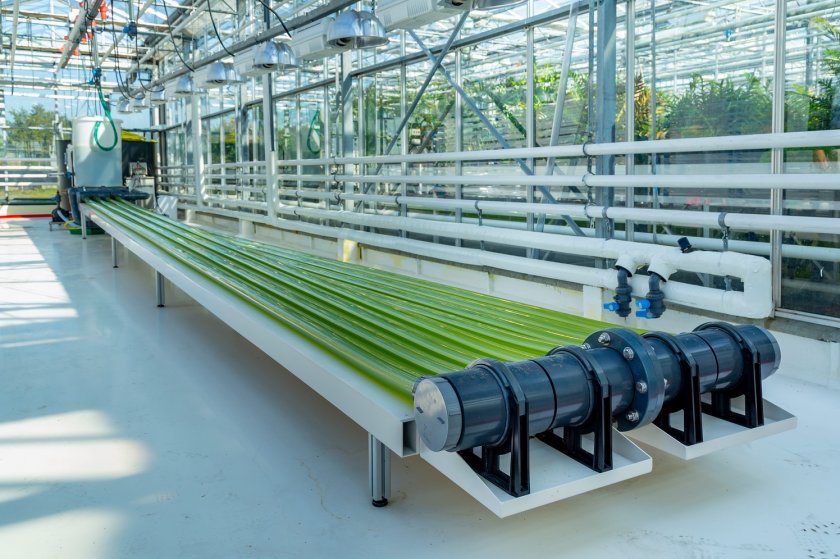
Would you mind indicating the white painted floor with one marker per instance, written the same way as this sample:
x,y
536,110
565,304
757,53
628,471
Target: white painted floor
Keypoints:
x,y
132,431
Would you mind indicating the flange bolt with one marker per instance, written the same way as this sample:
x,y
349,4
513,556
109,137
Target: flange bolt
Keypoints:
x,y
632,416
604,338
641,387
628,353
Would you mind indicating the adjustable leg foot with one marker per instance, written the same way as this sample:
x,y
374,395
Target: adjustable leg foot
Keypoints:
x,y
379,457
161,295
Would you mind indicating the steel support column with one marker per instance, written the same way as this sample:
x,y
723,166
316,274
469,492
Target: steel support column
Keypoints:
x,y
605,102
630,109
777,195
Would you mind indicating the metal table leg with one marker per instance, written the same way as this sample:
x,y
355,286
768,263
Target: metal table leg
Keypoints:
x,y
379,457
160,289
114,252
84,217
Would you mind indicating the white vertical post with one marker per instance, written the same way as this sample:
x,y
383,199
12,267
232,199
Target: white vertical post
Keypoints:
x,y
198,152
270,149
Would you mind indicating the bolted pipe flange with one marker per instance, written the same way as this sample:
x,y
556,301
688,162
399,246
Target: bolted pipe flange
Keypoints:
x,y
645,368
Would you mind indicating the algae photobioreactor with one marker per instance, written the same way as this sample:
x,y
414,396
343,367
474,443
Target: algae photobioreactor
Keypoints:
x,y
483,380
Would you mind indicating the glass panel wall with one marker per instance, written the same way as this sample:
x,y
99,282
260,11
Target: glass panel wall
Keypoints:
x,y
696,69
810,270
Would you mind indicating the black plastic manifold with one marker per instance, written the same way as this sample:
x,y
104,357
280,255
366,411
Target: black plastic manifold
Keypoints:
x,y
489,411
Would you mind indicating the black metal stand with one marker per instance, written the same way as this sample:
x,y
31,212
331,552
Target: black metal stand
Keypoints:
x,y
518,481
749,386
689,401
600,423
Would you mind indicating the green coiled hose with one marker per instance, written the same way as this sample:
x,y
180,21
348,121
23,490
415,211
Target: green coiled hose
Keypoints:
x,y
107,110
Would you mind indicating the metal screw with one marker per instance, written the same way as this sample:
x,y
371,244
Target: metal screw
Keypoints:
x,y
604,338
628,353
586,346
632,416
641,387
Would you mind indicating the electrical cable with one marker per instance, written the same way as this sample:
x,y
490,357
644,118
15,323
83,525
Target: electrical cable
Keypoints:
x,y
172,37
121,83
280,19
137,54
216,29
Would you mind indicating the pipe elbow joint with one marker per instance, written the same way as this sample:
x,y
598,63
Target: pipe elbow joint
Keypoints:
x,y
623,294
662,266
653,305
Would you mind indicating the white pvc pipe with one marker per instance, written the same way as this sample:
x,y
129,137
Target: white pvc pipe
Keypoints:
x,y
731,302
735,221
682,145
754,302
804,181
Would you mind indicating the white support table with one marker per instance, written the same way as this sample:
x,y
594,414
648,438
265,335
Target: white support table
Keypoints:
x,y
390,420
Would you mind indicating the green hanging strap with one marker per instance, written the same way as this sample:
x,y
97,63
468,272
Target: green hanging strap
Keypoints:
x,y
110,121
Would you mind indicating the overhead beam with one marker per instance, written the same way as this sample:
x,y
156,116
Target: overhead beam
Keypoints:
x,y
316,14
83,21
15,16
60,20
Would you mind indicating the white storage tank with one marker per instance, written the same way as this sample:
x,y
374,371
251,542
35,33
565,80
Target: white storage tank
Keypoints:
x,y
94,165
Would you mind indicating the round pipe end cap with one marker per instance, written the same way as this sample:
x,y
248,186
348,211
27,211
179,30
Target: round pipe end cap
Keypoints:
x,y
437,411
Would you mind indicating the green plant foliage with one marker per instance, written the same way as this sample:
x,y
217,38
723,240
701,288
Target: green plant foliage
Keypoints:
x,y
720,108
641,103
31,131
831,55
818,108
